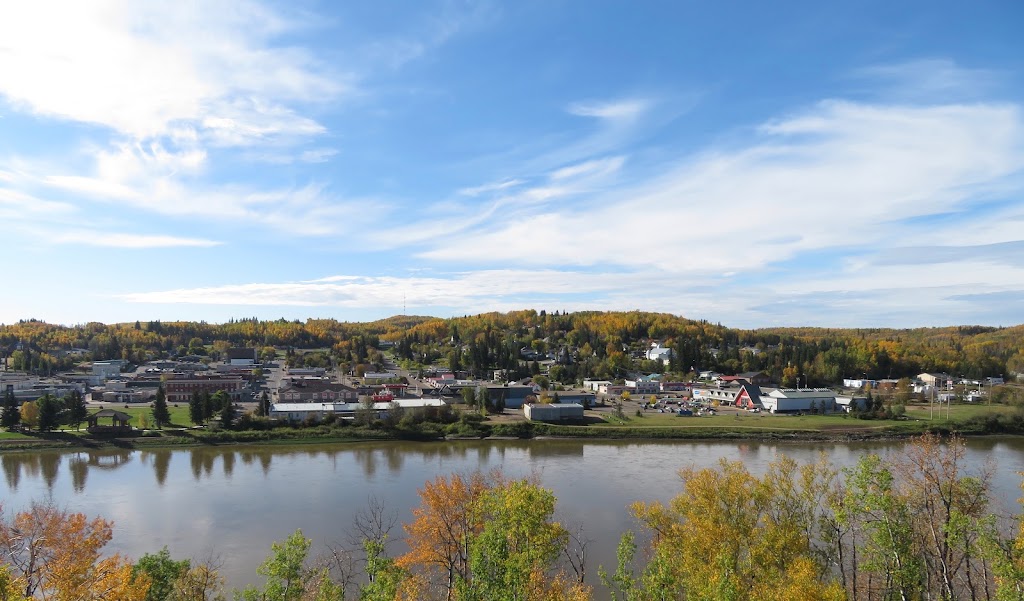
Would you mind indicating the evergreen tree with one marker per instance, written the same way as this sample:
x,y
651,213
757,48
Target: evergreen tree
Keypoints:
x,y
161,414
208,409
77,410
195,408
227,415
48,413
11,415
263,409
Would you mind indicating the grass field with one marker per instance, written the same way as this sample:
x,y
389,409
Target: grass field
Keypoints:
x,y
729,419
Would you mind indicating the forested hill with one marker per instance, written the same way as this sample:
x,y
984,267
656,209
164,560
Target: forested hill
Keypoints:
x,y
606,345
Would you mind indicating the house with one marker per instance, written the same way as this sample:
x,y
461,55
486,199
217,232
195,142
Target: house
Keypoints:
x,y
796,400
936,380
757,378
557,412
710,375
659,353
316,391
241,356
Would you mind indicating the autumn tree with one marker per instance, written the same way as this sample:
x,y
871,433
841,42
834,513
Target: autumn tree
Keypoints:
x,y
198,583
29,414
54,554
438,537
730,535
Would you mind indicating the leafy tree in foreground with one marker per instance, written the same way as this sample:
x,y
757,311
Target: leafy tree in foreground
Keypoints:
x,y
53,554
162,571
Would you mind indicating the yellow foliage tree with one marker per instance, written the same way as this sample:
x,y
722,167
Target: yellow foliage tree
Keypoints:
x,y
438,537
731,535
30,414
56,555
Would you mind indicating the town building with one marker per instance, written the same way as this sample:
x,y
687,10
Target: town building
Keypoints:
x,y
180,387
308,390
793,400
242,356
554,412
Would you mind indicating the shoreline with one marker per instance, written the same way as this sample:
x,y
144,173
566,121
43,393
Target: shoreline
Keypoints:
x,y
184,439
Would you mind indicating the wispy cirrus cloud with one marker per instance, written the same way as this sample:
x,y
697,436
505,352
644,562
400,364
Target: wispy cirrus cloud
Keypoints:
x,y
625,109
861,167
129,241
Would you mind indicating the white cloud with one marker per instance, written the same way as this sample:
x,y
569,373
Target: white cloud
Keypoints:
x,y
604,166
142,69
492,187
133,241
627,109
839,175
925,79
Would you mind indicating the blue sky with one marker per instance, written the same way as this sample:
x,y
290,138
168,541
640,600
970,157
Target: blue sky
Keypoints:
x,y
757,164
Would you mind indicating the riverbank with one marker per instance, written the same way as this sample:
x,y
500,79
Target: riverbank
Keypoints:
x,y
808,428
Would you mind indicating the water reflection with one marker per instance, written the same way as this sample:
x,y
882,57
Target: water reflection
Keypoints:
x,y
11,464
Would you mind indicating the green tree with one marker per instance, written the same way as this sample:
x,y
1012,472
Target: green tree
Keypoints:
x,y
287,576
515,551
227,415
161,414
77,410
195,409
49,413
263,408
10,416
162,571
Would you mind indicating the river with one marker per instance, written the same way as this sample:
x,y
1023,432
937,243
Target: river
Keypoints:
x,y
231,502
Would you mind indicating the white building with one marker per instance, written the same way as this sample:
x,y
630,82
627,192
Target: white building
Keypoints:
x,y
107,369
792,400
659,353
554,412
297,412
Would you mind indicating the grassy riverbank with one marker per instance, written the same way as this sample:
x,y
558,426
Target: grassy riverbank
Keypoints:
x,y
731,425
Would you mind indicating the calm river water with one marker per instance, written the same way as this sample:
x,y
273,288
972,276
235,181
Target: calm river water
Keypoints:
x,y
234,501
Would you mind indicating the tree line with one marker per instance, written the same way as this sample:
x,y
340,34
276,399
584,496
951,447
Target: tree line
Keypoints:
x,y
918,526
602,345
